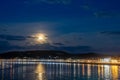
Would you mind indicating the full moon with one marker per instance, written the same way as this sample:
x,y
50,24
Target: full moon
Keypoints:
x,y
40,38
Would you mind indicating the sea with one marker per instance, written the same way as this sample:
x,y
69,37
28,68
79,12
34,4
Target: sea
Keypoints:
x,y
40,70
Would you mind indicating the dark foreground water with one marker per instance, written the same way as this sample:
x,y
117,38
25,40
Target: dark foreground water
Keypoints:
x,y
58,71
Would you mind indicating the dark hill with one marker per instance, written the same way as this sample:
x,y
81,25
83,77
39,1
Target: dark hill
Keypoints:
x,y
35,54
50,54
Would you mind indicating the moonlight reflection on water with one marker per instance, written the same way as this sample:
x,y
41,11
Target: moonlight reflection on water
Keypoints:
x,y
40,72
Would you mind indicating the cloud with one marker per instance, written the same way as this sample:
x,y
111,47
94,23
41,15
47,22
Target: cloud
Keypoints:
x,y
15,37
113,33
58,44
12,37
69,39
105,14
3,28
70,49
57,1
48,1
6,46
76,49
70,42
86,7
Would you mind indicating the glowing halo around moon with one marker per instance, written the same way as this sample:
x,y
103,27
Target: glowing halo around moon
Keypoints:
x,y
40,38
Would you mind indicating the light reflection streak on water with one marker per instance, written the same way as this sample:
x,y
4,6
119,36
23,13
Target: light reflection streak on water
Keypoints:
x,y
107,72
88,70
99,71
114,72
83,69
74,69
59,71
102,71
40,71
78,69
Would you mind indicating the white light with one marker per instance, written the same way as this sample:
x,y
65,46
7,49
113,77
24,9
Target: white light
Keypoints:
x,y
107,59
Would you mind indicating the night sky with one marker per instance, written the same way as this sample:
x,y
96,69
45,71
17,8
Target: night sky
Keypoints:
x,y
76,26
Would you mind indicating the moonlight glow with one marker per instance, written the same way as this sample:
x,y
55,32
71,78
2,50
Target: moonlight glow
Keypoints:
x,y
40,38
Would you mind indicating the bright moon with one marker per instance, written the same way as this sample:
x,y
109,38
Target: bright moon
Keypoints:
x,y
40,38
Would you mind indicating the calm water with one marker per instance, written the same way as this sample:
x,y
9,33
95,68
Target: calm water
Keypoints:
x,y
58,71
